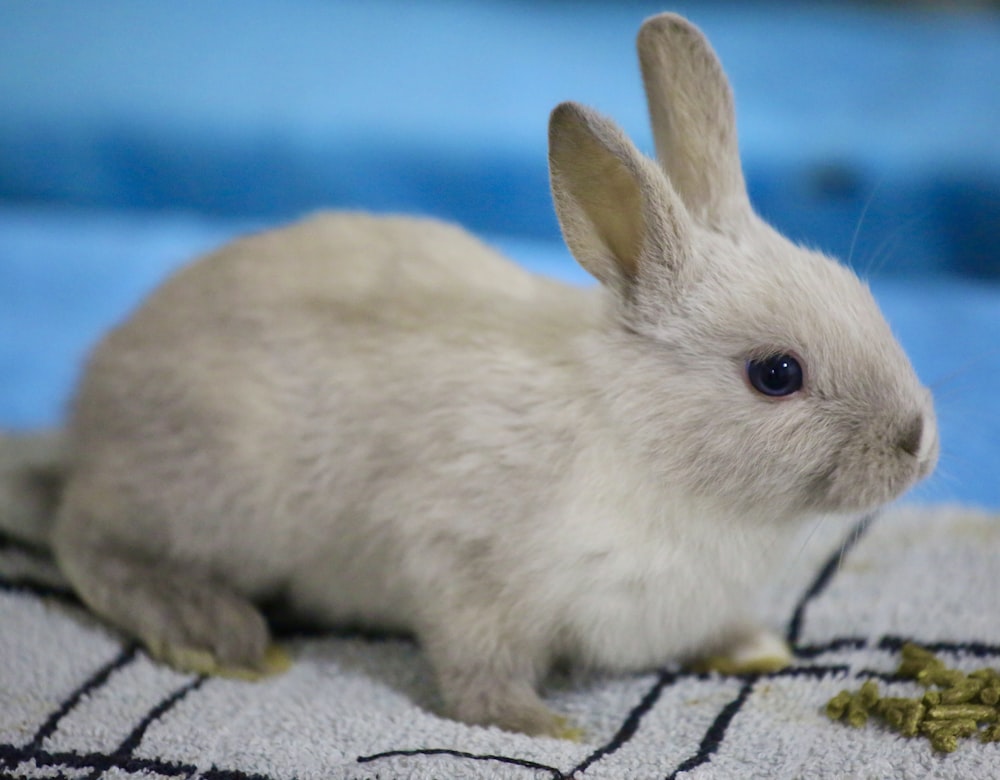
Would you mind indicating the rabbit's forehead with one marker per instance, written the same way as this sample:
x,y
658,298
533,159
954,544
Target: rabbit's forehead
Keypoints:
x,y
780,297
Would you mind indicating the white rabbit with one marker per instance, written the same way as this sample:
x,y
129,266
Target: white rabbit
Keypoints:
x,y
381,422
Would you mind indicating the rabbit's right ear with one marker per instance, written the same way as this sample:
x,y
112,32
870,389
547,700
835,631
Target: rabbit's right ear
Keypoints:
x,y
694,122
618,213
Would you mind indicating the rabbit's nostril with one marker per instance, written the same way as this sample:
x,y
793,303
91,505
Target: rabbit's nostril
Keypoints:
x,y
912,436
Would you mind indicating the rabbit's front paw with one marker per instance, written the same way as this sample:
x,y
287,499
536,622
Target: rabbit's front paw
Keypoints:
x,y
755,652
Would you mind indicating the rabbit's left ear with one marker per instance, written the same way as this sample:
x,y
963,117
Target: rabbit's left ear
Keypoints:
x,y
694,123
619,215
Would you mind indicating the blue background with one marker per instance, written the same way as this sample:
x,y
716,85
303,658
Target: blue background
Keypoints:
x,y
134,134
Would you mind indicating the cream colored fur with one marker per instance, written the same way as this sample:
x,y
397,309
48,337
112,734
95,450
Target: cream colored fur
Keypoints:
x,y
380,421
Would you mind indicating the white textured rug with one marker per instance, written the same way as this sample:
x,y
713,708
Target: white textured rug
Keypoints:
x,y
76,702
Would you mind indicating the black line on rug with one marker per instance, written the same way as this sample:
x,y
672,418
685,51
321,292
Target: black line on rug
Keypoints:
x,y
95,681
886,677
893,644
122,757
39,555
521,762
810,671
978,649
631,723
823,579
231,774
815,670
12,755
717,731
54,776
834,645
132,741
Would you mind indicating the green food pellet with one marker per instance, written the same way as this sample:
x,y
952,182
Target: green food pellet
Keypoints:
x,y
893,701
891,704
916,661
944,734
904,715
944,742
911,651
990,695
894,717
927,670
955,705
976,712
861,704
868,695
912,718
965,691
836,708
944,678
857,713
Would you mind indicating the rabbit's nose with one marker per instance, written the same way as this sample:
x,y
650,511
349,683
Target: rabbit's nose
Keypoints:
x,y
912,438
919,439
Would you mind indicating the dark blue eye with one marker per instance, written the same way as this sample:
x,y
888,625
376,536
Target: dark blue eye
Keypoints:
x,y
777,375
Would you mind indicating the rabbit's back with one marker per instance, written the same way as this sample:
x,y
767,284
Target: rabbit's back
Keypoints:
x,y
293,309
288,374
341,258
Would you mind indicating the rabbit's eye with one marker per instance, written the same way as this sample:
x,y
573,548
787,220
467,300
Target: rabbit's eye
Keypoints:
x,y
778,375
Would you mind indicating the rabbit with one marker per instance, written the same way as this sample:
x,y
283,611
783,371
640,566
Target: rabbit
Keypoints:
x,y
380,422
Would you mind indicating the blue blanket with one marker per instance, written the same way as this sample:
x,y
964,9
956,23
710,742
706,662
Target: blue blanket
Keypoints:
x,y
133,135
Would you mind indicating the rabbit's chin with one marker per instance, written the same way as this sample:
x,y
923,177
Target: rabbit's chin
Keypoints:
x,y
845,489
845,497
856,487
851,486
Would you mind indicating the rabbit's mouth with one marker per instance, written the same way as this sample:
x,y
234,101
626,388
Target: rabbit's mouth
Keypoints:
x,y
859,482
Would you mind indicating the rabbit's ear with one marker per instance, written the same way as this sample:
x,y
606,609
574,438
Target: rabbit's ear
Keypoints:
x,y
694,123
619,216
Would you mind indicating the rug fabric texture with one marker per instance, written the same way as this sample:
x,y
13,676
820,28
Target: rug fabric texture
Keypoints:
x,y
76,700
135,136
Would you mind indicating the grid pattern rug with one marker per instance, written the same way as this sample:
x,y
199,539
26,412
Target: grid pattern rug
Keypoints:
x,y
78,702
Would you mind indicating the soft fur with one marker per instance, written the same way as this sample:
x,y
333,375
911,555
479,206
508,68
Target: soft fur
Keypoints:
x,y
380,421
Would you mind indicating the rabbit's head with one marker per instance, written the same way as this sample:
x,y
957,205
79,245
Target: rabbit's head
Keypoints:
x,y
739,365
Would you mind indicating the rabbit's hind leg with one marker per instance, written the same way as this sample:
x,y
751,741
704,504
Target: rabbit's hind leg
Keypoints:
x,y
184,618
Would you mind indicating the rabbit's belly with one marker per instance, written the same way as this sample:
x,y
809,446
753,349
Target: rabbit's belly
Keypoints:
x,y
341,589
